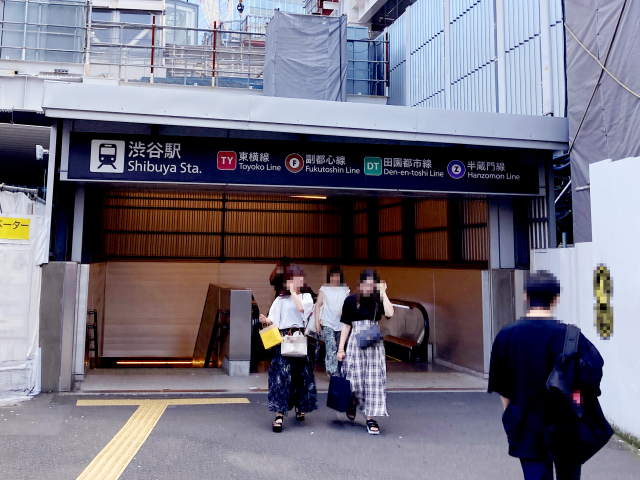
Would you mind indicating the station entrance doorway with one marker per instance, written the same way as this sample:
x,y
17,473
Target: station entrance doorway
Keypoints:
x,y
155,252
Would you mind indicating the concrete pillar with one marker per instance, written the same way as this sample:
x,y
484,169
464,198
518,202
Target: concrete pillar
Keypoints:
x,y
57,322
498,283
501,234
238,361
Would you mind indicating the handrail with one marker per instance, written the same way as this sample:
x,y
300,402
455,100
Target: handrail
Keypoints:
x,y
173,54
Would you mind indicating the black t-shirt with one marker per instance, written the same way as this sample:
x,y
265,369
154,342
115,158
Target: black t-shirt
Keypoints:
x,y
365,310
523,355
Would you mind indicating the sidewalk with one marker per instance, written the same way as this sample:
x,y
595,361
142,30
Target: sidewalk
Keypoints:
x,y
432,435
400,377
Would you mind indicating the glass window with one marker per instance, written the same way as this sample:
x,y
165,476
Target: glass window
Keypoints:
x,y
55,32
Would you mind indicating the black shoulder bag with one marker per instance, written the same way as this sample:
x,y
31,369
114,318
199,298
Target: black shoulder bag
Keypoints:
x,y
370,335
578,432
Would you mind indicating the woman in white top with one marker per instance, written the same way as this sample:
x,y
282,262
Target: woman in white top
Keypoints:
x,y
291,380
328,315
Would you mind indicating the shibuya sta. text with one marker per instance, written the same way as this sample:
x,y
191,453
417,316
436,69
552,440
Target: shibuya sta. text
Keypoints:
x,y
163,168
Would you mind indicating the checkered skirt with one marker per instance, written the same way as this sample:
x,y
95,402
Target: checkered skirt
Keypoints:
x,y
366,369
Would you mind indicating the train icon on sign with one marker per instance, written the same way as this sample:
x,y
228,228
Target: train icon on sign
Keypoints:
x,y
107,156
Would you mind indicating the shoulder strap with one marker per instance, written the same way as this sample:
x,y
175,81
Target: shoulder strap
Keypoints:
x,y
571,341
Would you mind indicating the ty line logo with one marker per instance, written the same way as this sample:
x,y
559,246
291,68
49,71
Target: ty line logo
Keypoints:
x,y
227,160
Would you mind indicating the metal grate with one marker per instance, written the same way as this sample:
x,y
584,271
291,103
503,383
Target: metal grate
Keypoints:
x,y
144,224
207,225
538,223
475,218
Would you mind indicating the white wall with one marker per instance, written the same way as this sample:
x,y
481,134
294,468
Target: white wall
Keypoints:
x,y
19,314
616,232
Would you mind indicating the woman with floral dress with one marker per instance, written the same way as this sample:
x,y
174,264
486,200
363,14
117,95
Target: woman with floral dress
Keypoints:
x,y
327,316
291,380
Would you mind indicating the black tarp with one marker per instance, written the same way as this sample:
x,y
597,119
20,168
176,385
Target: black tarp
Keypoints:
x,y
610,129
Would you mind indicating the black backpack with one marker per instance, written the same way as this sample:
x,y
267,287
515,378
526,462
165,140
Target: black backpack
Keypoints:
x,y
577,432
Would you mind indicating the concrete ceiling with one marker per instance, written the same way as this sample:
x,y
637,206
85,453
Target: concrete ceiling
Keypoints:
x,y
18,165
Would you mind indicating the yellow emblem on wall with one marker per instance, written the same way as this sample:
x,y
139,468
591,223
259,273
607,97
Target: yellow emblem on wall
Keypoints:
x,y
14,228
603,290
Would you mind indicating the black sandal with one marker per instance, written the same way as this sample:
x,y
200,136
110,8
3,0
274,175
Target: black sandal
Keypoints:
x,y
371,424
277,423
299,415
352,408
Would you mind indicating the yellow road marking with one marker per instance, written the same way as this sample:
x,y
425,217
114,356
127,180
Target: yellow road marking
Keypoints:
x,y
112,461
116,456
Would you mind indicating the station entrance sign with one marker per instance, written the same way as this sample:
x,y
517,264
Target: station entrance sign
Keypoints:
x,y
162,159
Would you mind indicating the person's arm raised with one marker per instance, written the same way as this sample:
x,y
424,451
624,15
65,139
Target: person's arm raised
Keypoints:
x,y
386,303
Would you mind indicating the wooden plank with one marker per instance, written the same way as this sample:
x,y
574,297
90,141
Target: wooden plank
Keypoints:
x,y
149,304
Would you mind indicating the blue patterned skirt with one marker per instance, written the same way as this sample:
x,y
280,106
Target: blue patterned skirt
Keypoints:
x,y
291,384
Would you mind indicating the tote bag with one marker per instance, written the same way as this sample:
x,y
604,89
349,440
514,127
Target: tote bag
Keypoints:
x,y
270,336
294,345
339,395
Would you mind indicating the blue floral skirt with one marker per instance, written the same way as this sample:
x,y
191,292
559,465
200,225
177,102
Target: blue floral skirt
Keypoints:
x,y
291,384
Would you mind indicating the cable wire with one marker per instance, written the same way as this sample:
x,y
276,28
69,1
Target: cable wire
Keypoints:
x,y
600,63
615,33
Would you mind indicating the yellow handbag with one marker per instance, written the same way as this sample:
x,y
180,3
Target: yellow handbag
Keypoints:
x,y
270,336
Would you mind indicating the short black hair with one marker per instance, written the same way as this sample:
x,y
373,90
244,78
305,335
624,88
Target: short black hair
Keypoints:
x,y
542,288
333,271
367,274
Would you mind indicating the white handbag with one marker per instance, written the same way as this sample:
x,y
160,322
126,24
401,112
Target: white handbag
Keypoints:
x,y
294,345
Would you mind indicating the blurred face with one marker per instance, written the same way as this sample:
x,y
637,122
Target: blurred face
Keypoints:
x,y
367,287
335,279
298,281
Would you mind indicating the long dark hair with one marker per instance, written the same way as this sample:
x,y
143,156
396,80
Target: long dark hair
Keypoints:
x,y
278,276
290,272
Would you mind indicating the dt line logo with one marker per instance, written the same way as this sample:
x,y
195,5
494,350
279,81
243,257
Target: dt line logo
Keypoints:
x,y
373,166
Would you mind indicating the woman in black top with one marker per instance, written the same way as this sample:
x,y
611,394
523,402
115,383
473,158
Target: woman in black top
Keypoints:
x,y
365,368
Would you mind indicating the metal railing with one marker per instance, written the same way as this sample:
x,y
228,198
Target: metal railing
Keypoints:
x,y
156,53
141,53
368,66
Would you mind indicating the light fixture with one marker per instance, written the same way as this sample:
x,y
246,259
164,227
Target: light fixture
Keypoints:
x,y
152,362
313,197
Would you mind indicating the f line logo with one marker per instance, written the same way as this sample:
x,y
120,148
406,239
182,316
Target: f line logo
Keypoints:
x,y
294,163
227,160
107,156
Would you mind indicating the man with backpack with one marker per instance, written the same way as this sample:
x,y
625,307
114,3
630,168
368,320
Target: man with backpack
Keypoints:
x,y
548,375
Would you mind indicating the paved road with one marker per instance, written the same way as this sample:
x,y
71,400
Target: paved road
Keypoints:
x,y
429,435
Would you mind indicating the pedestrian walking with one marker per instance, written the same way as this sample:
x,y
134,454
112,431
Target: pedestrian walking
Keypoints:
x,y
327,317
364,359
291,380
276,279
541,427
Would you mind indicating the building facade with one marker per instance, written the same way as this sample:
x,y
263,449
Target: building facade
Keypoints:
x,y
169,169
